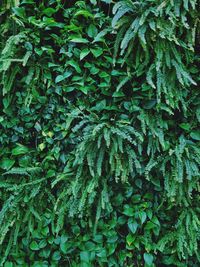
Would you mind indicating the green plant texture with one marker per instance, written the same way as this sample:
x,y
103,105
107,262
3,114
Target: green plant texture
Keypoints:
x,y
100,133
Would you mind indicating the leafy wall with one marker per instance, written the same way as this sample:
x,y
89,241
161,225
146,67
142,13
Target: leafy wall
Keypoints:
x,y
99,133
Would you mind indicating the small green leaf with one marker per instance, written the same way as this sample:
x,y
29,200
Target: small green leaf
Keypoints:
x,y
42,146
94,2
118,94
45,231
42,243
85,256
185,126
84,13
92,31
65,247
19,11
19,150
143,216
6,163
150,226
96,52
84,90
195,135
75,65
150,104
128,211
130,239
133,226
79,40
60,78
49,11
84,53
148,258
56,256
34,245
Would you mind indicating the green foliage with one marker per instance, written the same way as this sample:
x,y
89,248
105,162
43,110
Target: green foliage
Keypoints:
x,y
99,133
164,37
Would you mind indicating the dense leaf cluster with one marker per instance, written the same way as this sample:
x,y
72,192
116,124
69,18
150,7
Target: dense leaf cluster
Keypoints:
x,y
99,133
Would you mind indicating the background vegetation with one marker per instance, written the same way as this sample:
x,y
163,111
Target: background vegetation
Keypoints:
x,y
99,133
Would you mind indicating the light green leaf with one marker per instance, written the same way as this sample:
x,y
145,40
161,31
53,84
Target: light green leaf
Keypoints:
x,y
49,11
19,150
97,52
84,53
148,258
79,40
